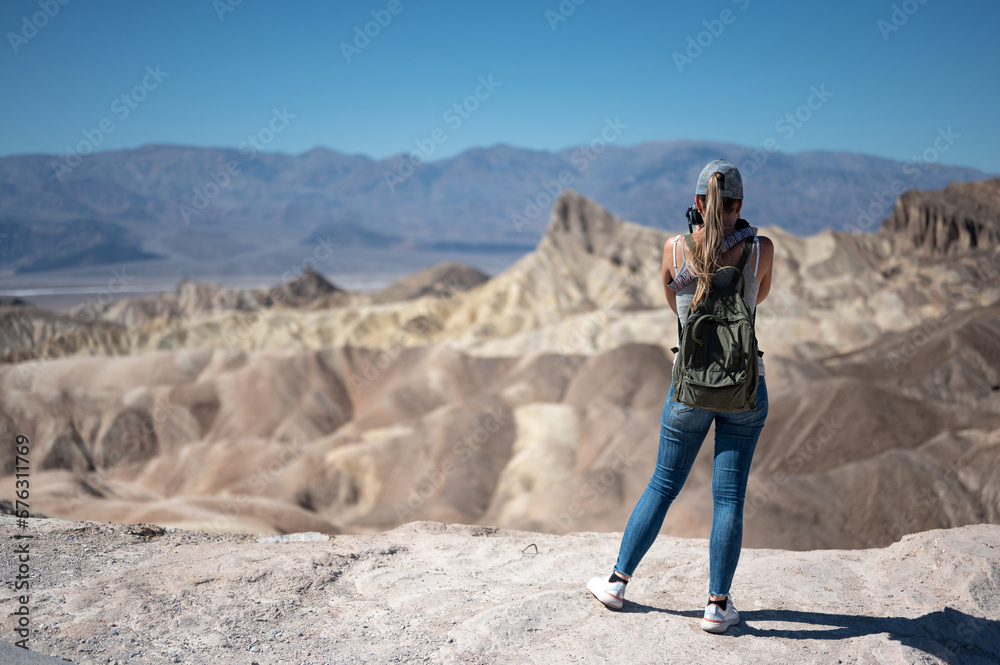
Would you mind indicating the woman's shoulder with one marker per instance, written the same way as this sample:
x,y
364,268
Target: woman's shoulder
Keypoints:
x,y
765,244
673,241
766,252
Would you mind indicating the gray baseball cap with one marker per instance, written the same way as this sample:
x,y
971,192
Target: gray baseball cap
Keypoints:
x,y
733,187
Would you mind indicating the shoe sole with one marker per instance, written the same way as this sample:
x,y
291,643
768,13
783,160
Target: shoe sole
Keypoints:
x,y
712,627
613,602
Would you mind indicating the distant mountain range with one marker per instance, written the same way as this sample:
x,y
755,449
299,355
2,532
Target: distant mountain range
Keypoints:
x,y
163,201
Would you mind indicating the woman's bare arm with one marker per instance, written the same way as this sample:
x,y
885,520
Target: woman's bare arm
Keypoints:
x,y
766,267
667,273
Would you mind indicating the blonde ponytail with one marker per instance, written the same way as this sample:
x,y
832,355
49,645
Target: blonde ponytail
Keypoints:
x,y
707,254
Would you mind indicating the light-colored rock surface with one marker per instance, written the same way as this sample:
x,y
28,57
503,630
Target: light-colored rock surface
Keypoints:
x,y
948,221
427,592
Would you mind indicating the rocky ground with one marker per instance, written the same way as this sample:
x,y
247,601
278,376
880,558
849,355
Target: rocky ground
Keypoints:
x,y
429,592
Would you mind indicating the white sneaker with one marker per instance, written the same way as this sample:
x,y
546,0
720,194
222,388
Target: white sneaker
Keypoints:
x,y
717,621
611,594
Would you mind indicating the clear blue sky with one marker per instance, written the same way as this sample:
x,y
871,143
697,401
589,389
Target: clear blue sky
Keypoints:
x,y
891,91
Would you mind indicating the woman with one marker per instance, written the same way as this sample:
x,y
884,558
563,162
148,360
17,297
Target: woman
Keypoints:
x,y
687,278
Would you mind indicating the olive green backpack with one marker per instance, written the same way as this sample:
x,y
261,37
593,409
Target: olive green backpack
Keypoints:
x,y
715,360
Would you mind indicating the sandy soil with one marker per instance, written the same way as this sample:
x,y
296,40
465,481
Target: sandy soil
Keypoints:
x,y
429,592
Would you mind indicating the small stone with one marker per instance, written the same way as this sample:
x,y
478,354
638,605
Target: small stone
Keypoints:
x,y
307,537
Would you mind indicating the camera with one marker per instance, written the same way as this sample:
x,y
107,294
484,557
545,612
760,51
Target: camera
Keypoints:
x,y
694,218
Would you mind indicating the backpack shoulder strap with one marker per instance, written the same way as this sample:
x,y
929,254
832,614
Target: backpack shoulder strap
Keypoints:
x,y
728,242
738,277
675,349
733,238
747,248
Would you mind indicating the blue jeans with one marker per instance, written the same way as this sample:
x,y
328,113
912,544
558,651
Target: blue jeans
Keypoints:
x,y
682,430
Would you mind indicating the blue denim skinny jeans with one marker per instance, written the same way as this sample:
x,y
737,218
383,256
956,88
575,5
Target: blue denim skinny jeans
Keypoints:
x,y
682,431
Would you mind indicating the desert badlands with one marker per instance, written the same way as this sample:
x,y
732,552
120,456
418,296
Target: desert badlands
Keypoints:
x,y
464,452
